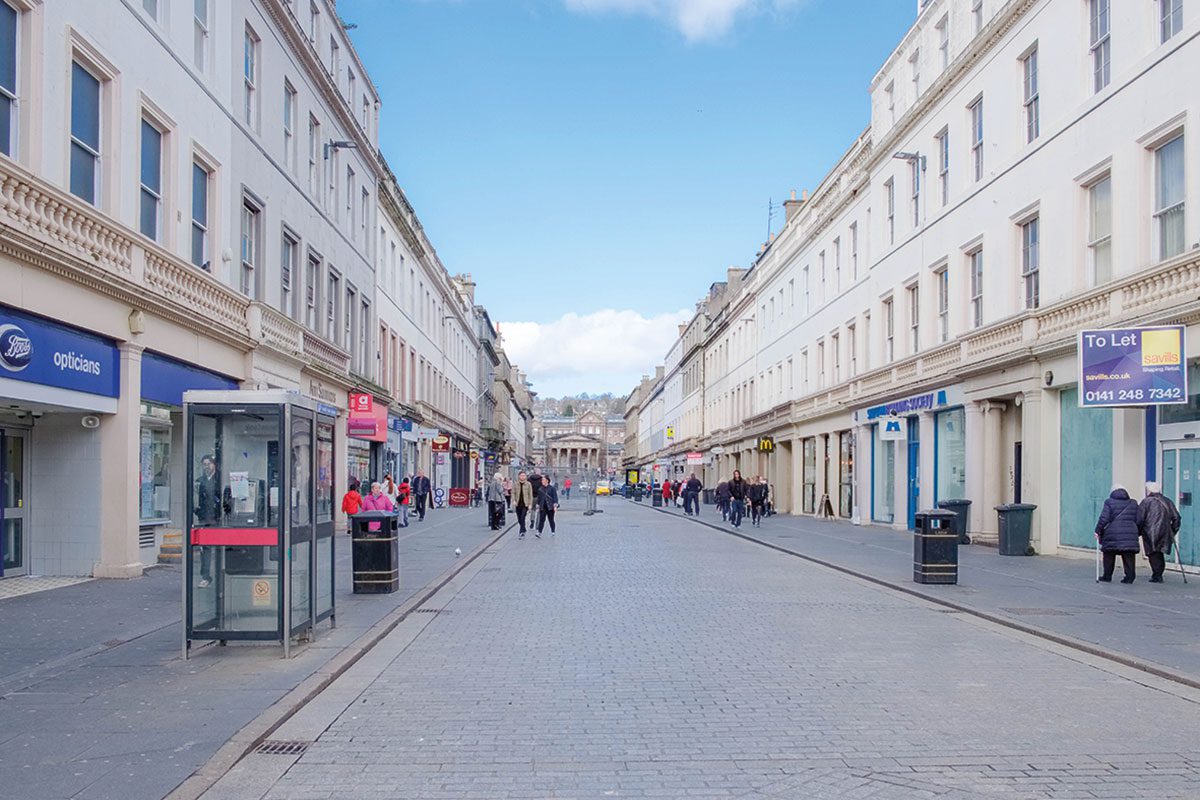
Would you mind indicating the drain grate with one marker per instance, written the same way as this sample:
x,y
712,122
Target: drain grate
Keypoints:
x,y
1038,612
275,747
432,611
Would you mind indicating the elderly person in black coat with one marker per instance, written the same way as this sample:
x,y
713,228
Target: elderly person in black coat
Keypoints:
x,y
1117,531
1158,520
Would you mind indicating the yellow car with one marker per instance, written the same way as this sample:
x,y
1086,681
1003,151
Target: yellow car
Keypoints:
x,y
603,487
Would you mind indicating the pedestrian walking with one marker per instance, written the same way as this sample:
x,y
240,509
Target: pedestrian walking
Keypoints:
x,y
567,488
666,492
352,501
403,500
757,494
523,499
1117,532
547,505
377,501
495,501
508,493
721,495
675,489
737,499
389,486
693,489
420,490
1158,521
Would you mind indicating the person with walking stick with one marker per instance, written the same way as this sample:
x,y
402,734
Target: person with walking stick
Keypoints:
x,y
1158,521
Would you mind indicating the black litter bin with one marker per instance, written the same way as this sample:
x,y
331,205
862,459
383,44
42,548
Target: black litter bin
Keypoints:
x,y
710,497
638,493
935,547
1016,524
375,554
656,500
962,511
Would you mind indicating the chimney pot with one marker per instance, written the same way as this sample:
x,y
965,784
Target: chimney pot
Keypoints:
x,y
793,194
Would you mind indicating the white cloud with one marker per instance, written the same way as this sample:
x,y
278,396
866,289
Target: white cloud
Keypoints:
x,y
604,351
695,19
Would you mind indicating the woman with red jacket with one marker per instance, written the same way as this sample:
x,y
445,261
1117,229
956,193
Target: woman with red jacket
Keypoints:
x,y
352,502
403,498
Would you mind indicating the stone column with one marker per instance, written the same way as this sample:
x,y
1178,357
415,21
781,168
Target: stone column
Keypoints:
x,y
860,489
973,430
1035,477
120,435
993,460
928,455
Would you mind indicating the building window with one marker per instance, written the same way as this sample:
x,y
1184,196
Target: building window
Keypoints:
x,y
350,82
890,96
200,35
914,66
1171,16
250,240
824,296
250,78
287,271
1100,230
364,339
151,8
943,300
852,343
943,32
853,251
8,77
348,326
977,15
154,495
363,214
915,178
975,261
889,189
1169,193
943,148
335,59
977,137
1029,66
820,365
807,293
200,189
312,272
837,265
314,22
314,157
333,296
835,351
350,199
1101,43
889,330
1030,261
914,317
150,197
289,126
85,134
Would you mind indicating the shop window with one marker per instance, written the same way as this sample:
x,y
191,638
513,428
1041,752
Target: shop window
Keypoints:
x,y
951,447
883,500
846,473
1184,412
154,480
810,476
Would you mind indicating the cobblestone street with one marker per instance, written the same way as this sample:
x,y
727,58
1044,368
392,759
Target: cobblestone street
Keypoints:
x,y
637,655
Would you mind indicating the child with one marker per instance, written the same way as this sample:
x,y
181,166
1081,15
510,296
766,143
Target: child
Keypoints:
x,y
403,493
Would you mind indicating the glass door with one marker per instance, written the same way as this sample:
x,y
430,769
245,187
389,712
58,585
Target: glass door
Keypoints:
x,y
14,526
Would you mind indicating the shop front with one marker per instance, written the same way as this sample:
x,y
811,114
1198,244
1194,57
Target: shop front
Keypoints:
x,y
397,462
366,438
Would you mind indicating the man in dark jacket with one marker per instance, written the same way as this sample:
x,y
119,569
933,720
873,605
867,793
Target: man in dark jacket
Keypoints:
x,y
1158,521
420,490
721,495
1117,530
691,497
758,500
737,499
547,505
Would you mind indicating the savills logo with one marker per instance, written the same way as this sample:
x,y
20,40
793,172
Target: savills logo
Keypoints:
x,y
16,348
1161,348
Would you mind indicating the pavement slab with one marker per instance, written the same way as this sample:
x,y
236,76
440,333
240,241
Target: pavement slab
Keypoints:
x,y
639,655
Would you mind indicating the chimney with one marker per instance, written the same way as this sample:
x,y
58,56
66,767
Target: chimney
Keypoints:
x,y
682,328
792,207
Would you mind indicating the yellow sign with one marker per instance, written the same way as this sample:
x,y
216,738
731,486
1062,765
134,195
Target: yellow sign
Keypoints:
x,y
1161,347
670,432
766,445
474,455
261,593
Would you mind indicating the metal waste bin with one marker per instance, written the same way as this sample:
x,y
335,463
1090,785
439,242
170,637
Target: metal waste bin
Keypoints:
x,y
656,500
935,547
375,552
1016,523
638,493
962,511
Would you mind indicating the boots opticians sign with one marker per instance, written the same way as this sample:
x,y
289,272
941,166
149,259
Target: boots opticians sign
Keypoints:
x,y
39,351
1132,367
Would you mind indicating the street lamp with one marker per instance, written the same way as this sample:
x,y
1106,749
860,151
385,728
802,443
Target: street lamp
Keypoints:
x,y
339,144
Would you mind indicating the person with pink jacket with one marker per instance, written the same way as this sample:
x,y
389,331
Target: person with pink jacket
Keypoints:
x,y
377,501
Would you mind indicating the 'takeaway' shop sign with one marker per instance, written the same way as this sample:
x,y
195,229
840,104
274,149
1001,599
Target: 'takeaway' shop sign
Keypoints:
x,y
1132,367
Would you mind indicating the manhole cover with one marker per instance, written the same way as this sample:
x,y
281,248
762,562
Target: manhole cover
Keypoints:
x,y
1037,612
273,747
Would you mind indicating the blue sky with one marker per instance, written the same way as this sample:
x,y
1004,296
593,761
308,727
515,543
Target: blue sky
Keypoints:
x,y
597,164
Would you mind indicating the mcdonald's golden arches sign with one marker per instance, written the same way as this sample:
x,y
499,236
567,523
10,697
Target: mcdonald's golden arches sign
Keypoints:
x,y
766,444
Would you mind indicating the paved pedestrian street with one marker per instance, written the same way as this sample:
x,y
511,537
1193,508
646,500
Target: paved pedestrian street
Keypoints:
x,y
638,655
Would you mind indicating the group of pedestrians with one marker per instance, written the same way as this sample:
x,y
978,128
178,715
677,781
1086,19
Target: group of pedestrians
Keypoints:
x,y
390,496
530,494
1124,521
737,496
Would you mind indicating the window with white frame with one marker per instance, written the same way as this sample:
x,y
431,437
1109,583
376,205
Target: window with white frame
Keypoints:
x,y
288,249
335,59
943,34
866,337
250,43
837,265
1170,191
331,200
889,190
820,365
333,296
852,344
889,330
251,247
314,157
350,199
289,126
348,327
312,276
85,133
943,149
150,194
314,21
1170,13
977,138
350,84
804,371
364,207
200,15
1031,261
807,293
914,176
9,42
977,15
942,279
853,251
1100,230
151,9
835,350
889,93
914,69
201,180
975,268
1100,43
914,318
1029,69
824,296
364,338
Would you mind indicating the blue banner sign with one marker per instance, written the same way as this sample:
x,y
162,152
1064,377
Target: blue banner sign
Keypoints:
x,y
909,405
1132,367
39,351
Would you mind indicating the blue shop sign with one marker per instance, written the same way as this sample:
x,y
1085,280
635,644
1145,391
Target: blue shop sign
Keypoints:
x,y
400,424
164,380
909,405
327,410
36,350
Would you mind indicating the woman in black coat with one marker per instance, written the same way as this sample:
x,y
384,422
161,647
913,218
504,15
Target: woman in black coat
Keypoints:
x,y
1117,531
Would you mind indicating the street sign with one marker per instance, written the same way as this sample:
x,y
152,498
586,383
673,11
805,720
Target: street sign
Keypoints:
x,y
695,458
670,432
892,430
717,451
1132,367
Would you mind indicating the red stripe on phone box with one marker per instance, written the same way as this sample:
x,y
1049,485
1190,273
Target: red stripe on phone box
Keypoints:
x,y
235,536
